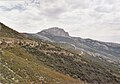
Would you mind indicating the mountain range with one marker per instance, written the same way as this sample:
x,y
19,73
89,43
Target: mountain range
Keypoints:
x,y
107,50
52,56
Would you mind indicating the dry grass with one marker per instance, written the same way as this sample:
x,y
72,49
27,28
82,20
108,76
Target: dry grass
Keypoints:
x,y
24,64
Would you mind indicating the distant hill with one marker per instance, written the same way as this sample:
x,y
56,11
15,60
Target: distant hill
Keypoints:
x,y
110,51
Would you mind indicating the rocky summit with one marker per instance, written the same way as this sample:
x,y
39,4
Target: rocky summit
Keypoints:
x,y
55,31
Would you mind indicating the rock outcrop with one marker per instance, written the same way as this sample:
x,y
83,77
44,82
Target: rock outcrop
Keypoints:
x,y
55,31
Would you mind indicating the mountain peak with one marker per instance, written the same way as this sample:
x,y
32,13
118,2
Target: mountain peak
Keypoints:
x,y
56,31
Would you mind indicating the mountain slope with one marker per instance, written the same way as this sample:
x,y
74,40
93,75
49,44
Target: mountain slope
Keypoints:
x,y
17,65
42,62
110,51
78,65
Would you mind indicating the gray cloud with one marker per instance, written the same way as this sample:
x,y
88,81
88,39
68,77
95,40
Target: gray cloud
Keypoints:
x,y
16,7
83,4
104,9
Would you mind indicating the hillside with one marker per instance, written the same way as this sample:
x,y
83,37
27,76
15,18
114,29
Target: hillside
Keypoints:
x,y
5,31
109,51
91,69
35,61
82,66
19,66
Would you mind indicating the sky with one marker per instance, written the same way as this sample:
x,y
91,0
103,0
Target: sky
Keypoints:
x,y
96,19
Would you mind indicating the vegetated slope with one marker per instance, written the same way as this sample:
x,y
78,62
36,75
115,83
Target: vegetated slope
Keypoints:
x,y
17,65
93,71
29,61
5,31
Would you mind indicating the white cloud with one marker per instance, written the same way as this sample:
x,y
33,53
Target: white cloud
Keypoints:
x,y
97,19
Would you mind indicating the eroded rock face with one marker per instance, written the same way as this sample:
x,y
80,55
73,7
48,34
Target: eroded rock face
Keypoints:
x,y
55,31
